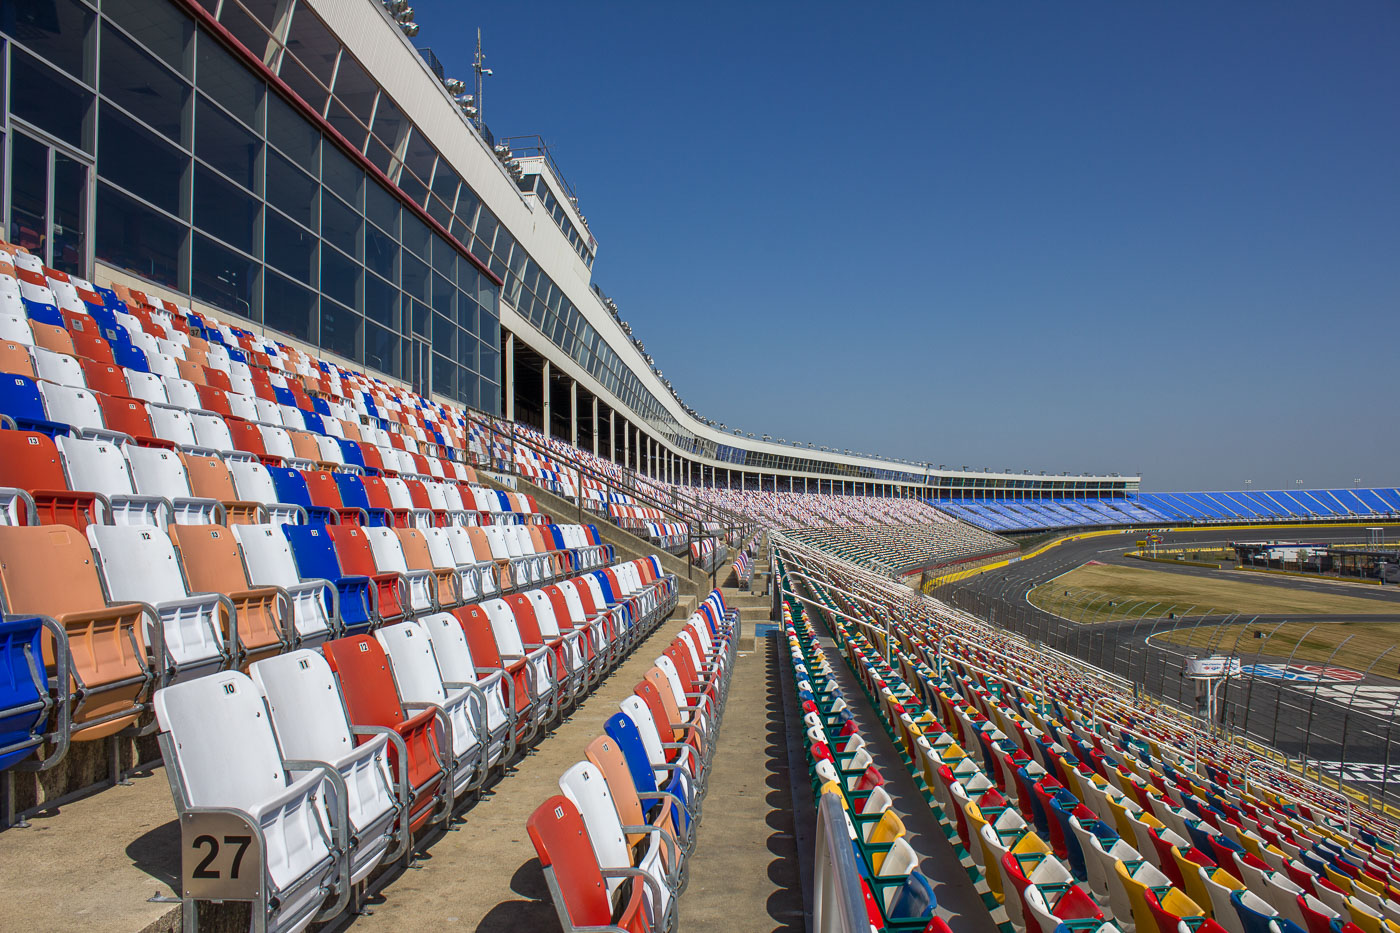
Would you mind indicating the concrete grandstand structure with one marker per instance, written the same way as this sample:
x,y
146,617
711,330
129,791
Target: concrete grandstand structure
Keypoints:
x,y
346,528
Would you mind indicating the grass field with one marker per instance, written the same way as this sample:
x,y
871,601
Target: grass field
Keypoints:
x,y
1133,590
1361,642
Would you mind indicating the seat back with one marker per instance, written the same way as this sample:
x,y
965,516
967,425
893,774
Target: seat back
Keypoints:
x,y
313,550
211,557
138,562
362,668
304,700
267,555
95,466
415,664
585,786
561,841
48,570
158,472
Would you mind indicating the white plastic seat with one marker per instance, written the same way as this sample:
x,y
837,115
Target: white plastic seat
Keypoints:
x,y
221,754
587,789
139,566
309,719
464,556
14,326
254,484
211,432
57,367
389,558
148,387
174,425
159,472
454,660
269,561
162,363
242,406
420,684
79,409
542,660
277,441
182,393
99,466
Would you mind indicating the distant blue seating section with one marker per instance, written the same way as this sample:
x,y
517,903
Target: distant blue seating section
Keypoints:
x,y
1163,508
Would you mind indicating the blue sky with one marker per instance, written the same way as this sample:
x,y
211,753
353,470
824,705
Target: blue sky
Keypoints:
x,y
1059,236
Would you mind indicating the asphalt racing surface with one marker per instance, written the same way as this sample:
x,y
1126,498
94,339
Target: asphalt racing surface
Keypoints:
x,y
1341,719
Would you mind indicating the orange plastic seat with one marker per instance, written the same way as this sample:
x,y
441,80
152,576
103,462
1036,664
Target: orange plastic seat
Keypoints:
x,y
214,564
50,570
14,358
29,461
210,479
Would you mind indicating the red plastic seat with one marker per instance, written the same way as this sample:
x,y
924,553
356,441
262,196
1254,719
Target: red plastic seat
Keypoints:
x,y
217,378
129,416
571,869
356,558
476,625
371,699
212,398
106,378
325,494
379,498
89,344
29,461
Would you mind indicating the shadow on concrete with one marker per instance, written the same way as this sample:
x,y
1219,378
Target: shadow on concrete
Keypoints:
x,y
157,853
536,913
784,904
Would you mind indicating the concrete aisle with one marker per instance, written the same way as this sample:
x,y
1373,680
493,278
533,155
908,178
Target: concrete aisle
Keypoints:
x,y
744,872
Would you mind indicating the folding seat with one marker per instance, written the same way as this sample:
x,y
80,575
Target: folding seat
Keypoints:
x,y
414,664
15,359
191,634
32,484
372,705
661,748
584,785
181,393
380,497
548,682
427,550
277,443
162,473
254,484
393,593
354,495
22,404
570,611
316,558
403,504
221,755
580,886
291,488
79,409
25,703
100,650
478,577
61,368
535,613
325,494
14,327
106,378
100,467
651,773
148,387
130,417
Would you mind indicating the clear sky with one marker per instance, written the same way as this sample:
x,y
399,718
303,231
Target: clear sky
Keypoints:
x,y
1100,236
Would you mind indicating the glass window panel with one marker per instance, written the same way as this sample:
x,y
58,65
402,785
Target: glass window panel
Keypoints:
x,y
382,208
355,89
342,331
69,245
59,31
444,335
221,277
445,184
420,157
224,78
292,133
143,87
250,33
468,350
439,211
341,175
29,212
381,349
444,376
467,203
443,294
224,211
416,235
50,101
346,125
226,145
291,190
340,278
300,81
381,253
289,307
379,155
312,43
413,277
290,248
461,231
160,27
381,301
340,225
418,317
486,226
412,188
444,257
131,236
389,123
504,244
143,163
497,267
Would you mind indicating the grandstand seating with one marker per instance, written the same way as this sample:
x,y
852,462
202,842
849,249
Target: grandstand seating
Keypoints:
x,y
903,547
1074,801
1150,509
612,820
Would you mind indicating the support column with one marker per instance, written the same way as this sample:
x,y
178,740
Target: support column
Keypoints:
x,y
612,434
510,377
595,425
573,412
626,446
545,383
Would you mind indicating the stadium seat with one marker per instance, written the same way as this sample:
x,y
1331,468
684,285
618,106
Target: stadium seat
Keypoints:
x,y
25,703
222,755
31,473
315,602
316,559
51,571
213,563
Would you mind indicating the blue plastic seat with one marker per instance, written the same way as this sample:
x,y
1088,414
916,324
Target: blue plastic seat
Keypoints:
x,y
24,690
314,553
291,489
352,493
284,396
623,731
43,313
1252,920
914,900
21,401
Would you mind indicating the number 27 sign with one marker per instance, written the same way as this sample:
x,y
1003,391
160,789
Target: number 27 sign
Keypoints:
x,y
221,858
